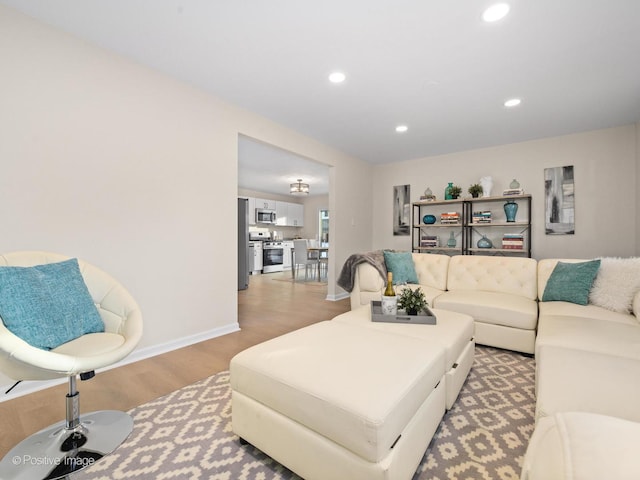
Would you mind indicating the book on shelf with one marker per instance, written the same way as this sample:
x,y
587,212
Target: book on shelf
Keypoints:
x,y
513,241
450,218
481,217
429,241
512,191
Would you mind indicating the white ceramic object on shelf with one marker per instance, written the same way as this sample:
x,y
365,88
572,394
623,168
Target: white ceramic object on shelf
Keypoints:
x,y
487,185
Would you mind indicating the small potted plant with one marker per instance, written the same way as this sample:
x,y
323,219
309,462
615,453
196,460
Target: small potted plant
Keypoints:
x,y
475,190
412,301
455,191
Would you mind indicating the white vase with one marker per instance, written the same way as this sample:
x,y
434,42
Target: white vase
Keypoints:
x,y
487,184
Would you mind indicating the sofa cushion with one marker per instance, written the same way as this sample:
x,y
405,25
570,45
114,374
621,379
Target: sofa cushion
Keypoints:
x,y
571,282
430,293
491,307
590,334
616,283
401,265
585,311
509,275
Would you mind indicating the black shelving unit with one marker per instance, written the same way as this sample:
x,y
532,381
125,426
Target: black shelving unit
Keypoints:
x,y
466,231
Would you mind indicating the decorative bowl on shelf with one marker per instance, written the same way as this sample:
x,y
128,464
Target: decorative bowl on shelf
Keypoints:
x,y
429,219
484,242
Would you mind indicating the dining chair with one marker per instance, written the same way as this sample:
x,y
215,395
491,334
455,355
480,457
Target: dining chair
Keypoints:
x,y
301,257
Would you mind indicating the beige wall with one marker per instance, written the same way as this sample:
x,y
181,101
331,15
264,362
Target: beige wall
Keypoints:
x,y
637,188
606,179
137,173
312,207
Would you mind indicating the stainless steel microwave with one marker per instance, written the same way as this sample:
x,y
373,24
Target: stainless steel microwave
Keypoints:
x,y
265,216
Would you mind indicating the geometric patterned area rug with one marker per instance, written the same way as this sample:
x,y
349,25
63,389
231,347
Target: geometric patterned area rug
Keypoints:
x,y
486,432
187,434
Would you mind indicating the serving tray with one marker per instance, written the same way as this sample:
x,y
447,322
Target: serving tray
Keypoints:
x,y
425,317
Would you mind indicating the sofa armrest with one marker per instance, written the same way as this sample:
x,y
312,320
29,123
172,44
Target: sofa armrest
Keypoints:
x,y
367,285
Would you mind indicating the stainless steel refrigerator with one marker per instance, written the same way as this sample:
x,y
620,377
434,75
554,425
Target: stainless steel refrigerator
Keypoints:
x,y
243,243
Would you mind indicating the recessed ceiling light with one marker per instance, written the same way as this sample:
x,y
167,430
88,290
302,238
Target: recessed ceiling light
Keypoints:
x,y
512,102
401,128
337,77
495,12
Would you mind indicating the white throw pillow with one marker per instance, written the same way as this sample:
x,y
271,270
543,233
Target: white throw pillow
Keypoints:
x,y
616,283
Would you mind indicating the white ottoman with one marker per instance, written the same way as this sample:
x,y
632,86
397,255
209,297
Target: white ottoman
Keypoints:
x,y
453,331
584,446
337,401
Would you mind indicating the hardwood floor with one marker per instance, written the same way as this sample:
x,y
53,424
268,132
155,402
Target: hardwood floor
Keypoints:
x,y
270,307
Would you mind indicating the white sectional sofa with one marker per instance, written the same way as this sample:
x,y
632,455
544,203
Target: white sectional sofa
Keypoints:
x,y
587,388
498,292
587,356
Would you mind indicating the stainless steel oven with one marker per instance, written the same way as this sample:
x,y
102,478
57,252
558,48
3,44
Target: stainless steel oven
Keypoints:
x,y
272,257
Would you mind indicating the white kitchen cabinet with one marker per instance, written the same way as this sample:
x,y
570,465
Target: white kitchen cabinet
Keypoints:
x,y
295,215
289,214
266,204
287,248
282,210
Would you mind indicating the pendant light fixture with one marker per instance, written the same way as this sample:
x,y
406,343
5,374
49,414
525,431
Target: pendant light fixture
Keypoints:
x,y
299,188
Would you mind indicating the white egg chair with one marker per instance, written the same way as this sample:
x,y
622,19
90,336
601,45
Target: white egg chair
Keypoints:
x,y
80,440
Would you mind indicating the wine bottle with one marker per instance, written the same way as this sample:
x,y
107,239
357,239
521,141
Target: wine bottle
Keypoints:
x,y
389,299
389,291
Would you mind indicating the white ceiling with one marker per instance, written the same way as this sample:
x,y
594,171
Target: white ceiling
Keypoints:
x,y
266,168
433,65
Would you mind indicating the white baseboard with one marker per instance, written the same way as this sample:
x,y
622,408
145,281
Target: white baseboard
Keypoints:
x,y
339,296
30,386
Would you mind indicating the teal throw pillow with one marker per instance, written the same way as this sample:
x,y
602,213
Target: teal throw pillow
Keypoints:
x,y
571,282
401,265
47,305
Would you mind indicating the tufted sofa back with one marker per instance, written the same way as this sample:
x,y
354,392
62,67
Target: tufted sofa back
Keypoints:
x,y
431,269
517,276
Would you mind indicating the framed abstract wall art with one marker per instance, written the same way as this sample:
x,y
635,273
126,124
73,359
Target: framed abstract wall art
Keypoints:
x,y
559,201
401,209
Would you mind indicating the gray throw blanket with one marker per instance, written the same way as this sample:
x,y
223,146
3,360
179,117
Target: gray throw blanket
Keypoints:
x,y
375,258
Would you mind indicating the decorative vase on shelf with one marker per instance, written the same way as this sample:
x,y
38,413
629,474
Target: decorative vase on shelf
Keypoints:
x,y
484,242
487,184
447,191
429,219
514,184
510,210
428,195
451,243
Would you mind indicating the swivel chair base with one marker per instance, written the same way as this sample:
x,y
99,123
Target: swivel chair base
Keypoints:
x,y
56,451
68,446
